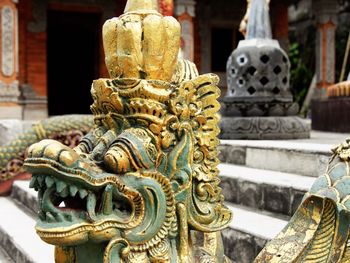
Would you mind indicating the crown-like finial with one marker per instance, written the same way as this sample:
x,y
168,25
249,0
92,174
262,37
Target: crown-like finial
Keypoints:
x,y
138,5
142,43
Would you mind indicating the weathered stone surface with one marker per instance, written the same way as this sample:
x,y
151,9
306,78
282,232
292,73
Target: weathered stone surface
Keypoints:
x,y
272,198
24,196
18,240
295,162
260,244
258,80
297,197
235,155
230,189
4,257
277,199
296,158
271,191
250,194
241,247
268,128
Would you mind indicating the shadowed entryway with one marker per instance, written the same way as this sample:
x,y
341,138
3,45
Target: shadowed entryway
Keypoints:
x,y
73,60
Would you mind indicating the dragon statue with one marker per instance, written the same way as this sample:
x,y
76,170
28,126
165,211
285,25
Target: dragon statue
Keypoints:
x,y
142,186
319,231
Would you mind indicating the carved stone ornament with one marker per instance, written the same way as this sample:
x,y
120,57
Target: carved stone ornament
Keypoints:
x,y
142,186
264,128
258,74
7,41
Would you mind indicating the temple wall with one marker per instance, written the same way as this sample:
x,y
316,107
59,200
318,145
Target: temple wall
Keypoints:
x,y
206,17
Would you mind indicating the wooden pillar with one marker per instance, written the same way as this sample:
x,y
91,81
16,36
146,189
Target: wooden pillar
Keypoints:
x,y
9,85
326,21
185,13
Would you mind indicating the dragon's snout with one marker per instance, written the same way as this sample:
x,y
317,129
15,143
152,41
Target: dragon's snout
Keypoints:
x,y
54,151
77,201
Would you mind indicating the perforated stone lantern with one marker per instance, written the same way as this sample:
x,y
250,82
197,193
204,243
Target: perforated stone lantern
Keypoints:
x,y
259,103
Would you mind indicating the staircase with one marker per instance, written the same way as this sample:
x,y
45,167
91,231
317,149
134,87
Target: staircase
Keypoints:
x,y
263,183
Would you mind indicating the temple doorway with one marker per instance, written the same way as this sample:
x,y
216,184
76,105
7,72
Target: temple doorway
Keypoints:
x,y
73,45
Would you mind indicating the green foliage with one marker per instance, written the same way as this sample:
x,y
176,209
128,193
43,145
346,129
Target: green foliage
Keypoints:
x,y
301,74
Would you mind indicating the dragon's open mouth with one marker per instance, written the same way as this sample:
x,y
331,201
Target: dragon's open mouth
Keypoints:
x,y
68,210
60,202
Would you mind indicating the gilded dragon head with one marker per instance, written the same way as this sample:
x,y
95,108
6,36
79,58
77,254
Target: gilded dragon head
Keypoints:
x,y
142,186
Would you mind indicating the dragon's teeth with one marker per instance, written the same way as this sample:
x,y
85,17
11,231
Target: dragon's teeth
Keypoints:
x,y
59,217
49,181
82,215
83,193
73,190
107,203
33,181
50,218
68,218
60,186
64,193
91,204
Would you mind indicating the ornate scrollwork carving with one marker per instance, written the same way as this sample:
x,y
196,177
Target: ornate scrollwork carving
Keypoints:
x,y
146,176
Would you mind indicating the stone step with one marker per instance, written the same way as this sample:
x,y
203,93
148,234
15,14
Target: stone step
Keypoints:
x,y
249,231
18,237
296,156
262,189
25,195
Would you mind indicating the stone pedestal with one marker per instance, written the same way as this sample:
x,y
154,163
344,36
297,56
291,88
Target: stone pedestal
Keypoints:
x,y
264,128
259,104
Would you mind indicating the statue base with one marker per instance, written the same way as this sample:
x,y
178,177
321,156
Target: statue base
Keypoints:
x,y
264,128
